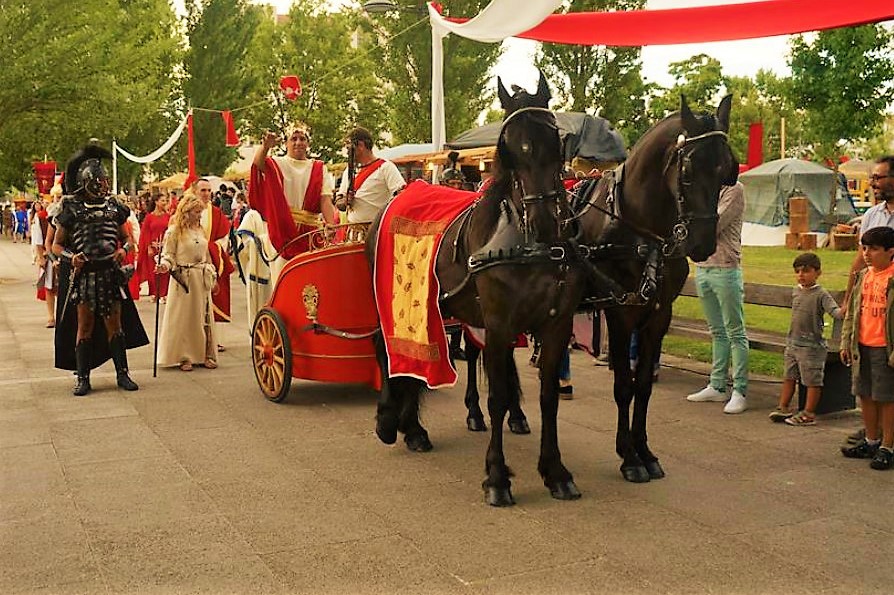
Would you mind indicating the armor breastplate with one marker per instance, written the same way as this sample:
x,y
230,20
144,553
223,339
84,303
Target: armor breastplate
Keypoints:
x,y
95,232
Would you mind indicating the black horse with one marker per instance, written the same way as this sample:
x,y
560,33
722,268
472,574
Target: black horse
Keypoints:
x,y
507,267
638,226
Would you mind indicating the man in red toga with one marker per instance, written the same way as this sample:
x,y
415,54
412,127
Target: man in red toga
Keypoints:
x,y
291,192
217,230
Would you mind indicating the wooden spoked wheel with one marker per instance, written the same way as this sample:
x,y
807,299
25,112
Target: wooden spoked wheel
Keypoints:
x,y
271,355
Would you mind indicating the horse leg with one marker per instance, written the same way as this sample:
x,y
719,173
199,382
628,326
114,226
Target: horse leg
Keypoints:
x,y
415,435
497,485
555,476
474,417
389,404
632,467
649,340
518,422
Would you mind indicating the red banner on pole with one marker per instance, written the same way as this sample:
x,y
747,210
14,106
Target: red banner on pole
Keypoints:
x,y
191,153
44,175
755,144
232,137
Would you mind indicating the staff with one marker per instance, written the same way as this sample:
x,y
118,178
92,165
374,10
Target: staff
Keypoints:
x,y
157,245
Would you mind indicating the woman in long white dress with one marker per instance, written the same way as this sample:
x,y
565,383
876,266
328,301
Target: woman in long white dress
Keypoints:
x,y
187,332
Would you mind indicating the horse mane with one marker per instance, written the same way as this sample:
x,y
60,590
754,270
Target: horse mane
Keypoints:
x,y
500,186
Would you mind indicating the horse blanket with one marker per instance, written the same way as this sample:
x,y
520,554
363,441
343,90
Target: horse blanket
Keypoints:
x,y
406,288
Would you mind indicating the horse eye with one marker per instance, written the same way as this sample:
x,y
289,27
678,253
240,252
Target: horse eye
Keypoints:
x,y
526,148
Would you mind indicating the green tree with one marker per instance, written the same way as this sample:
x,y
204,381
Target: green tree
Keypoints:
x,y
404,66
218,76
699,79
101,71
842,78
598,78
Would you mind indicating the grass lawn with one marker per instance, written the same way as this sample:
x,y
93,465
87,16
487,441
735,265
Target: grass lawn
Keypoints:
x,y
769,265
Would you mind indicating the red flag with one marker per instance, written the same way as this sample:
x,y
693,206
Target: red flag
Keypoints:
x,y
191,153
755,144
291,86
232,137
44,173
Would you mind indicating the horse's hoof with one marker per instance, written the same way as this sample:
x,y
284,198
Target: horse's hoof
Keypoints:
x,y
418,442
564,490
498,496
635,474
654,469
386,430
476,424
519,426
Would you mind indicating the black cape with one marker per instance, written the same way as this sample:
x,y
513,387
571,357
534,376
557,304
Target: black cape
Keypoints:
x,y
67,328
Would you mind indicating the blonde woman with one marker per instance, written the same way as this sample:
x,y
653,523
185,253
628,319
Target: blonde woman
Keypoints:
x,y
187,333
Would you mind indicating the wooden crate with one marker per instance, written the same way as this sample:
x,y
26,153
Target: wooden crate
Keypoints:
x,y
797,205
807,241
843,241
798,223
792,240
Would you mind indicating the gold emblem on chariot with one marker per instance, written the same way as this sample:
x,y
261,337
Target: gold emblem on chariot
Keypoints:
x,y
311,298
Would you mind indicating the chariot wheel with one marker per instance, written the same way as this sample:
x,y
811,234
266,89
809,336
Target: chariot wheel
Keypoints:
x,y
271,355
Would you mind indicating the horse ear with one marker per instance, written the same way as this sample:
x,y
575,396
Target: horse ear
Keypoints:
x,y
503,94
543,91
722,113
690,124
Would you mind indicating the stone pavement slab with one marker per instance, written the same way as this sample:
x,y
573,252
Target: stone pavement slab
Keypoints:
x,y
197,484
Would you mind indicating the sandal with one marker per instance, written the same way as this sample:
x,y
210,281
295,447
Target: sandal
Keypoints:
x,y
802,418
51,323
210,364
186,366
779,415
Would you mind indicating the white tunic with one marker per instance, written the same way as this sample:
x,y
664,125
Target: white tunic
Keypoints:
x,y
296,177
377,190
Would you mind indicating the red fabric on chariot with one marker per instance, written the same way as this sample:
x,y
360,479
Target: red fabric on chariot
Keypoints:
x,y
702,24
406,288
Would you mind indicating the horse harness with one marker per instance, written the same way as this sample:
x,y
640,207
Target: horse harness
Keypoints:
x,y
510,243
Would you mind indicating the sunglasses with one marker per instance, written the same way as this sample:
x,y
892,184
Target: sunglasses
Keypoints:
x,y
876,177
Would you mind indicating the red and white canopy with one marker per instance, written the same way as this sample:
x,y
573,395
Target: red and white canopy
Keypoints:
x,y
503,18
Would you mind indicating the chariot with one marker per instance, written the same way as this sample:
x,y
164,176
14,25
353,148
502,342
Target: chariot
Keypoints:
x,y
321,317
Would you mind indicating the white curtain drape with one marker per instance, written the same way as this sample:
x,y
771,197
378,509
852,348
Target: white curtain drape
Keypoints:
x,y
157,153
153,156
497,21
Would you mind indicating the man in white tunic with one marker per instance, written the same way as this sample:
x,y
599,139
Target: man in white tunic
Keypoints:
x,y
375,180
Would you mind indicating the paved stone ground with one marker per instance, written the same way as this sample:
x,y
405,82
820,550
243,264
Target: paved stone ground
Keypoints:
x,y
196,484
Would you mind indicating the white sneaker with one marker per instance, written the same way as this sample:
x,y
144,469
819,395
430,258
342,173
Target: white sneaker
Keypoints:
x,y
737,403
709,393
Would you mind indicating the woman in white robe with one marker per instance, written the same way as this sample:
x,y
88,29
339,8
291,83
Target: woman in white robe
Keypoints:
x,y
187,332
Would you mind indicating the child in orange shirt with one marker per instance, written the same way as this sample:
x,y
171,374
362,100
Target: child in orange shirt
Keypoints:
x,y
867,342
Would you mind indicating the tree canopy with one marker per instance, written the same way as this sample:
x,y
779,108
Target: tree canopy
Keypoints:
x,y
128,70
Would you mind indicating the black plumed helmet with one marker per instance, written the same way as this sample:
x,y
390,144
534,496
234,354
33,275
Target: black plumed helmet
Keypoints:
x,y
84,171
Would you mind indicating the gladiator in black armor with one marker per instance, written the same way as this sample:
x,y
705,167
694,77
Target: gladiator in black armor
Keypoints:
x,y
91,236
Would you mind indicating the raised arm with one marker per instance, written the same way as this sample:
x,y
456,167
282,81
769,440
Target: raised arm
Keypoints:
x,y
270,141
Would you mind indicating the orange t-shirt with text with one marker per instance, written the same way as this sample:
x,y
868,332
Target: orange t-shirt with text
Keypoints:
x,y
873,305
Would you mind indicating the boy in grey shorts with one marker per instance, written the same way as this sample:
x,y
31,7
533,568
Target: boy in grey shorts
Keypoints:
x,y
805,353
866,342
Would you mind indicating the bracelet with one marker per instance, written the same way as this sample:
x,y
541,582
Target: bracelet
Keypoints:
x,y
67,254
